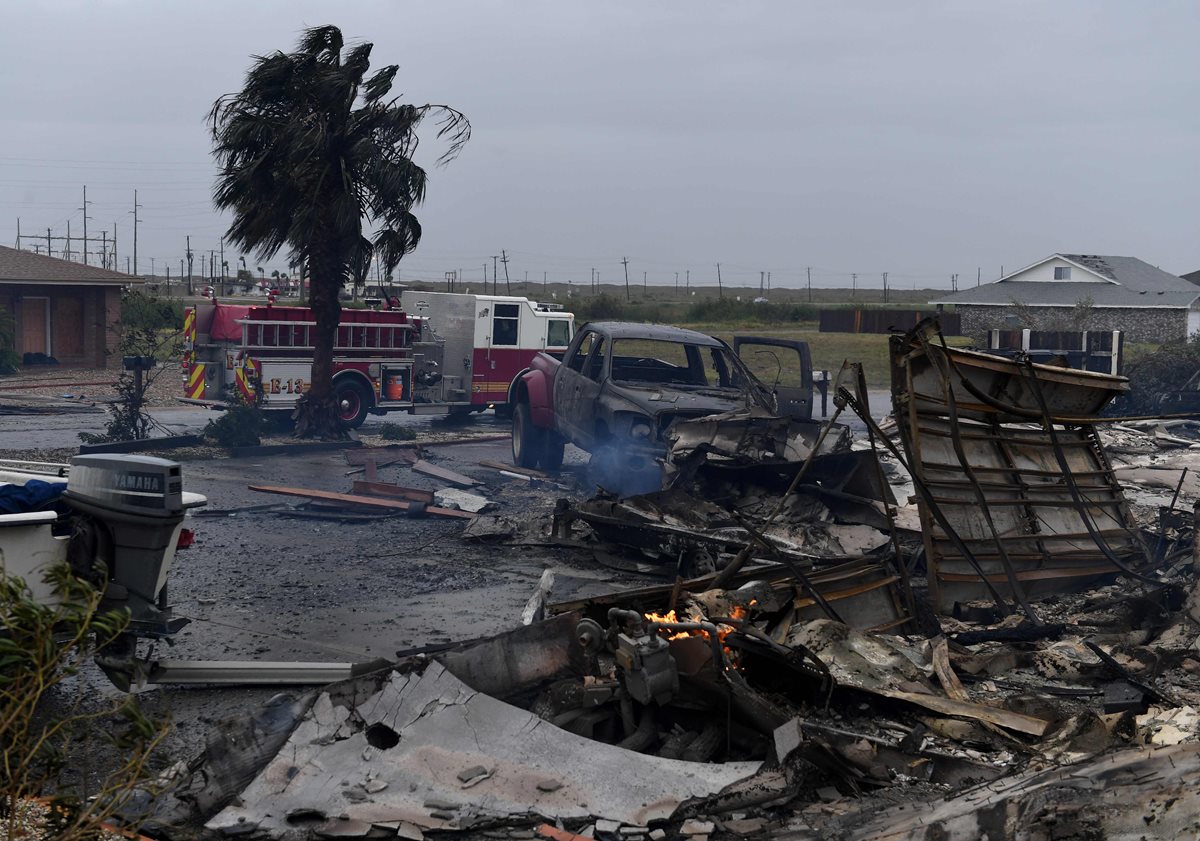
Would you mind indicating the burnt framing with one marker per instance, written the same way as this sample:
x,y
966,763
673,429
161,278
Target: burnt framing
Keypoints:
x,y
1016,495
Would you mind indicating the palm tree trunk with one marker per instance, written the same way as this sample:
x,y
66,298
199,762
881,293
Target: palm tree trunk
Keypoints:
x,y
317,412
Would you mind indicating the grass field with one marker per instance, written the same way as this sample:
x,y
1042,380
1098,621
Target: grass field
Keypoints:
x,y
829,350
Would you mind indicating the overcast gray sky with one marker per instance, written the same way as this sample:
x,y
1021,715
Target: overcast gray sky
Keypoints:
x,y
918,138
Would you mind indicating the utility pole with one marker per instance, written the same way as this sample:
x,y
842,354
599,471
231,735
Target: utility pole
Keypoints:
x,y
625,263
543,283
152,270
644,283
808,271
592,284
68,252
978,275
85,220
676,284
504,260
526,286
114,251
189,264
223,268
49,250
853,284
168,267
768,283
135,224
762,277
688,281
495,273
485,278
720,289
885,288
104,249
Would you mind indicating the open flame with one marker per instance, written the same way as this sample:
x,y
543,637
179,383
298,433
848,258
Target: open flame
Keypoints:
x,y
736,612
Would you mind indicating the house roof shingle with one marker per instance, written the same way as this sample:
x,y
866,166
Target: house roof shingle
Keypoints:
x,y
18,266
1137,285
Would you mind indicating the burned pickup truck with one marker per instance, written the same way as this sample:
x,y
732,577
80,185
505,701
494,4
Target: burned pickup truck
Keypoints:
x,y
620,386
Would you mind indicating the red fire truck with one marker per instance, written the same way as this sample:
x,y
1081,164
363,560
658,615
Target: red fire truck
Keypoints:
x,y
437,353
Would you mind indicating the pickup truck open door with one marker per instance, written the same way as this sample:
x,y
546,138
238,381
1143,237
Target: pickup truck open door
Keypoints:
x,y
784,367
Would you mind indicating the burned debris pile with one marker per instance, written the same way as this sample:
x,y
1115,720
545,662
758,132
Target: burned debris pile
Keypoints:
x,y
981,620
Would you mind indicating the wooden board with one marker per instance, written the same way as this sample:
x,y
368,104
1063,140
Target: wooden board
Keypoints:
x,y
383,456
1007,719
445,475
387,489
299,448
511,468
66,328
353,499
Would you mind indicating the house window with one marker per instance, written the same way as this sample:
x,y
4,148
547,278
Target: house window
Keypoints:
x,y
1062,272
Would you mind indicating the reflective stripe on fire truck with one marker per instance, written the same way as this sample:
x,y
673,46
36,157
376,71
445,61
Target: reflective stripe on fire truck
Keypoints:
x,y
195,381
189,328
247,376
490,388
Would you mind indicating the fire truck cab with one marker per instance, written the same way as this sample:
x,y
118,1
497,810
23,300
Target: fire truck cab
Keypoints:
x,y
438,353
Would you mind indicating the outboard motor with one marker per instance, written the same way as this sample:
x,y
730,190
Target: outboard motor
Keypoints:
x,y
132,510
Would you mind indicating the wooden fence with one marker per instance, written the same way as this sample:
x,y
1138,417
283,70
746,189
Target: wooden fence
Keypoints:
x,y
883,321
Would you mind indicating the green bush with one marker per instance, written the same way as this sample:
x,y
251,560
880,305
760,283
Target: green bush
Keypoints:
x,y
1156,375
240,425
42,649
9,358
395,432
140,311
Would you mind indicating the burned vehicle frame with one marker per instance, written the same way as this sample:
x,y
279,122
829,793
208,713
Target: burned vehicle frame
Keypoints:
x,y
619,388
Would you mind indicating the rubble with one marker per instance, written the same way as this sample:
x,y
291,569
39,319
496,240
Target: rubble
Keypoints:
x,y
980,620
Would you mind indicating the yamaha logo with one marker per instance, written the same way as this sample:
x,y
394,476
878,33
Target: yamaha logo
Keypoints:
x,y
151,482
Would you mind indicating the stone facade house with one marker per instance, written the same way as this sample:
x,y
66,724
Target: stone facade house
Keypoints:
x,y
62,309
1083,292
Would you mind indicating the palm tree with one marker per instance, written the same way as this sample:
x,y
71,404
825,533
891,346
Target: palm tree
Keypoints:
x,y
309,150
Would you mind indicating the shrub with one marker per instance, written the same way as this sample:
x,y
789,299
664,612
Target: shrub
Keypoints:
x,y
140,311
43,729
1152,378
395,432
240,425
9,358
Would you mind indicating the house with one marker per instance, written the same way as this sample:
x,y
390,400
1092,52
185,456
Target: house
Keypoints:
x,y
62,309
1083,292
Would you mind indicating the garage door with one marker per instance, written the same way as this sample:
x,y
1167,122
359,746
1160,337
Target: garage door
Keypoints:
x,y
67,328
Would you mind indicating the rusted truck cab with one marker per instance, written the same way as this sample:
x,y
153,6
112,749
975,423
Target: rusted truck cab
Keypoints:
x,y
620,386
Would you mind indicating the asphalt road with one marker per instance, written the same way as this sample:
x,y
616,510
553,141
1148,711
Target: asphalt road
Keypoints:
x,y
57,431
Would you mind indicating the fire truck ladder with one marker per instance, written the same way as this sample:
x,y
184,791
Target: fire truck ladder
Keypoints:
x,y
260,335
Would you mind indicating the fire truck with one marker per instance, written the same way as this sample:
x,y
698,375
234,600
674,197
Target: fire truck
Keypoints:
x,y
429,353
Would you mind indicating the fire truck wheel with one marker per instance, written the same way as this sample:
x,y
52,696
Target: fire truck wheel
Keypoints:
x,y
353,402
552,452
527,439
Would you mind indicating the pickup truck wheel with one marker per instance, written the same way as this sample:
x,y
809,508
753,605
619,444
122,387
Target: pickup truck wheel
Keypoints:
x,y
528,440
552,452
353,402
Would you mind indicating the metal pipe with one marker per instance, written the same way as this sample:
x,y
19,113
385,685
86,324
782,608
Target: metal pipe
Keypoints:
x,y
708,627
194,672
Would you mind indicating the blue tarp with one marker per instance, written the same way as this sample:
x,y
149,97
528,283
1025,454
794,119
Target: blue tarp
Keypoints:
x,y
34,495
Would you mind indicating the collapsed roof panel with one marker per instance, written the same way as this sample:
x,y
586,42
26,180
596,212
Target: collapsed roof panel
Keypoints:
x,y
1016,495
